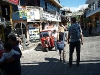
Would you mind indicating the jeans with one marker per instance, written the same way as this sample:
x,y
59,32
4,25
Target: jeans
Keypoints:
x,y
72,46
55,43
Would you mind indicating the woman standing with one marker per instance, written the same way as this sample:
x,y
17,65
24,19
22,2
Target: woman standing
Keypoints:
x,y
60,38
12,65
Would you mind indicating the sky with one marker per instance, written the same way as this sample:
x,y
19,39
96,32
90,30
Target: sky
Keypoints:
x,y
74,5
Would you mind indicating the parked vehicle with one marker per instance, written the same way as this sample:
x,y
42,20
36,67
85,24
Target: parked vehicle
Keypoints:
x,y
47,40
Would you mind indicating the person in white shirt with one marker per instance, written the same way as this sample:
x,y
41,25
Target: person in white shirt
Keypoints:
x,y
8,52
55,35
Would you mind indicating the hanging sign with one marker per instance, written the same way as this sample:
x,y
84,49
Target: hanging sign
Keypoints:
x,y
32,13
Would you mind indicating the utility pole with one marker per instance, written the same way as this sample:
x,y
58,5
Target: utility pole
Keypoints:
x,y
23,37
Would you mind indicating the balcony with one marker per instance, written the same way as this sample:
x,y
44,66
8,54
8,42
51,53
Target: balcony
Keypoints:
x,y
94,7
91,12
55,3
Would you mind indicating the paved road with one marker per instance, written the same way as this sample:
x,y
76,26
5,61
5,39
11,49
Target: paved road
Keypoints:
x,y
37,62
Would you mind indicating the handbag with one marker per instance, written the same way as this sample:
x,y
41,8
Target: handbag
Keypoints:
x,y
60,45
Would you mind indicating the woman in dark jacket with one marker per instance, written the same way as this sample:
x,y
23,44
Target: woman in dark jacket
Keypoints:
x,y
12,65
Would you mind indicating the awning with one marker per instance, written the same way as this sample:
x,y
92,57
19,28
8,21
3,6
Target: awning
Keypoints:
x,y
55,2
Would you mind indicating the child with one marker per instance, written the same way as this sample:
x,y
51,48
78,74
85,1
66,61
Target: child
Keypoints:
x,y
8,52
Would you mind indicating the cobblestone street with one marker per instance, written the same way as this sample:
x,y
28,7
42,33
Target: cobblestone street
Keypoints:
x,y
37,62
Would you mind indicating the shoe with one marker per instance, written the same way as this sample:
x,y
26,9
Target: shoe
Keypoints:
x,y
77,65
64,60
60,60
69,66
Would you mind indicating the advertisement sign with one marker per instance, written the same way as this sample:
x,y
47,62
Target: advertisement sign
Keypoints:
x,y
22,12
12,1
32,13
50,17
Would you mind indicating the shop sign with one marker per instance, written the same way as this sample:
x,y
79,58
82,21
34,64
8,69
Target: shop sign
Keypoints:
x,y
22,12
50,17
32,13
12,1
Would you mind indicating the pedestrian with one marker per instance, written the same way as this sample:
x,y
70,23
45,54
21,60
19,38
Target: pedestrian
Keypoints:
x,y
74,36
90,28
12,65
8,52
55,35
60,38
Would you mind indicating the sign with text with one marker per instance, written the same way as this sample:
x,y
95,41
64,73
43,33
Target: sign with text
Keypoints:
x,y
22,12
32,13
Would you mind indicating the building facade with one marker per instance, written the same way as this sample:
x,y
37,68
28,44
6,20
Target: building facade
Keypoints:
x,y
93,11
44,11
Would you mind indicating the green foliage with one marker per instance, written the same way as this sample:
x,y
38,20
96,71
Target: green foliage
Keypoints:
x,y
77,17
86,20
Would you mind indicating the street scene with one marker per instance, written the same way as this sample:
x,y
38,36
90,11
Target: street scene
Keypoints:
x,y
37,62
49,37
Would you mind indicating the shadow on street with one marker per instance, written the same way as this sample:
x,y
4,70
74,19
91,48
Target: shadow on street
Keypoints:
x,y
54,67
38,47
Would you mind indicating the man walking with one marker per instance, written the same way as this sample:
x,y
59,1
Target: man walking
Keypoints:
x,y
74,36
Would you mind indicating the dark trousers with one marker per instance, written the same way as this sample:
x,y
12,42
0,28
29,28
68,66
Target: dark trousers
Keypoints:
x,y
90,31
72,46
